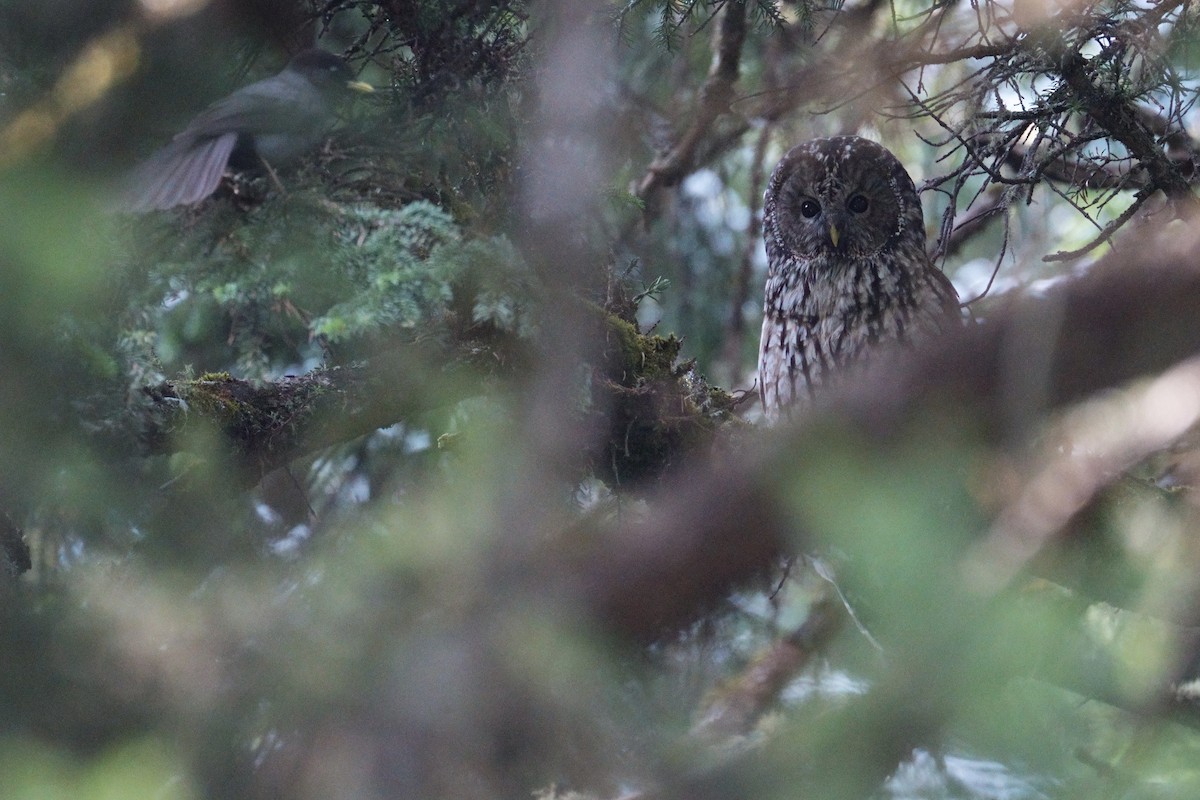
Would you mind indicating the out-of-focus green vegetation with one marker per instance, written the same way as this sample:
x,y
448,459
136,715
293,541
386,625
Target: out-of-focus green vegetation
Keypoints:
x,y
426,472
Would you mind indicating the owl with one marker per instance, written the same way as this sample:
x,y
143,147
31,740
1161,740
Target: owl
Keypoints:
x,y
847,269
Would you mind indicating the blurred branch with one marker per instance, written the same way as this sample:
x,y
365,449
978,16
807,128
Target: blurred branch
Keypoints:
x,y
1089,663
1093,445
735,707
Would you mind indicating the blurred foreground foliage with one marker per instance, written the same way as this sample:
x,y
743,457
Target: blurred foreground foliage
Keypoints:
x,y
403,477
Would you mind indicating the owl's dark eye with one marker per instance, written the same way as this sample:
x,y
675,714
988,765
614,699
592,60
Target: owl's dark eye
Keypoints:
x,y
810,208
858,204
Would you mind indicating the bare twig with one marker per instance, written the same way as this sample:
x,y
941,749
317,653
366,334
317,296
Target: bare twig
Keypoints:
x,y
1106,234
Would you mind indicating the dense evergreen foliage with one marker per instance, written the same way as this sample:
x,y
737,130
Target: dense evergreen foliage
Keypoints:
x,y
431,465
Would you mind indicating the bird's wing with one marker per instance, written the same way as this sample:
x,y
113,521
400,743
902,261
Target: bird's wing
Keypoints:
x,y
277,104
185,171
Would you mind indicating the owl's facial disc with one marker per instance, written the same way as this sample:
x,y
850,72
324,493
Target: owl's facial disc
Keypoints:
x,y
845,222
841,198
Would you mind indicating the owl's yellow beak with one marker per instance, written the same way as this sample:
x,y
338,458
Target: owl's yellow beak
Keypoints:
x,y
833,234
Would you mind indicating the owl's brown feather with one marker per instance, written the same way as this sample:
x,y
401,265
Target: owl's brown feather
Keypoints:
x,y
847,267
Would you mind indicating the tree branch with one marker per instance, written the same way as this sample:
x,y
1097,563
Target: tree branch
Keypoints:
x,y
1119,118
715,97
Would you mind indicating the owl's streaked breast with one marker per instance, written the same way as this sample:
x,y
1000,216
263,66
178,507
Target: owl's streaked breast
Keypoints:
x,y
825,312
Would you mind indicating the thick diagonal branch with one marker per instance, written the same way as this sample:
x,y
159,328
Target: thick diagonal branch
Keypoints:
x,y
715,97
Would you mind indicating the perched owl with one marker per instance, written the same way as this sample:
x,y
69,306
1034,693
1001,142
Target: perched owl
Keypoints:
x,y
847,268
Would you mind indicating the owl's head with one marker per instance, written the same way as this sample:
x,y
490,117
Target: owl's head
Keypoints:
x,y
844,197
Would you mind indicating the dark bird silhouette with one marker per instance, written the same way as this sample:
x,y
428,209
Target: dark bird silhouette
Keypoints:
x,y
274,121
